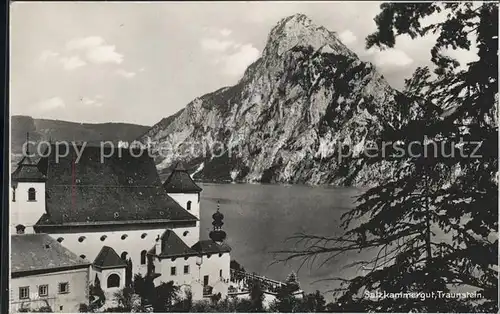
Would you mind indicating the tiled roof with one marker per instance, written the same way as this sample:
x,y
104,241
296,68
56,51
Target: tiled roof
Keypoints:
x,y
180,181
40,252
107,258
121,189
210,247
29,160
173,246
28,171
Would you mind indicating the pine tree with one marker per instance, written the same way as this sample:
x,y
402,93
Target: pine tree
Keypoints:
x,y
166,295
256,296
285,302
313,302
128,273
292,282
434,224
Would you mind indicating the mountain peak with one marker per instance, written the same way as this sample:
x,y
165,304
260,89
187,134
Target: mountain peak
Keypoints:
x,y
300,30
296,19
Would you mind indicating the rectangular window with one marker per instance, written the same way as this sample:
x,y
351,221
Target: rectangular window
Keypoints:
x,y
186,269
173,271
43,290
24,293
220,273
63,287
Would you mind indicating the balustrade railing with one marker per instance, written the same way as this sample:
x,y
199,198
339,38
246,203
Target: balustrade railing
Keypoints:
x,y
242,280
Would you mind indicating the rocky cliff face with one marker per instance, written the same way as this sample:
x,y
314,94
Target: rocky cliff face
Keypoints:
x,y
286,117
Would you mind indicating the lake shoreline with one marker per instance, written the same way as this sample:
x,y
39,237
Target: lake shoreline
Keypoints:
x,y
260,217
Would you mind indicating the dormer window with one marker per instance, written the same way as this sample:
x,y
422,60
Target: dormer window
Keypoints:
x,y
32,195
20,229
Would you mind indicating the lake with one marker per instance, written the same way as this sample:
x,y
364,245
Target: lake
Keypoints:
x,y
260,217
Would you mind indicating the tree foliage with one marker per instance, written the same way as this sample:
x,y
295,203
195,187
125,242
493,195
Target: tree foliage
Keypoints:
x,y
434,224
313,303
165,297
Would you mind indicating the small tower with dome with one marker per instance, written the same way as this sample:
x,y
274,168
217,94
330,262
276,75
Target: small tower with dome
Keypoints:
x,y
217,234
27,195
180,186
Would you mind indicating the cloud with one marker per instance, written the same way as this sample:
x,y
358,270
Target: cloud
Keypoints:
x,y
125,74
91,102
84,43
390,57
212,44
347,37
48,54
95,50
236,63
104,54
213,31
231,56
225,32
51,104
71,63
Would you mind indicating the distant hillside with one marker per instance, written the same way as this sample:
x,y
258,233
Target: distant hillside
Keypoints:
x,y
45,129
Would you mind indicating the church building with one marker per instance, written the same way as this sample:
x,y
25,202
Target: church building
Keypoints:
x,y
115,213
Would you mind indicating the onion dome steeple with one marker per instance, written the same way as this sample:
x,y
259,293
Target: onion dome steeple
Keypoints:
x,y
218,235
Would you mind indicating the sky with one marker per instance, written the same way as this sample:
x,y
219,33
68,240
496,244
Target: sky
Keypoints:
x,y
140,62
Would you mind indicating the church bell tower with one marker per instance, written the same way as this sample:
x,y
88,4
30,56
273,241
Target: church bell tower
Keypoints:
x,y
218,235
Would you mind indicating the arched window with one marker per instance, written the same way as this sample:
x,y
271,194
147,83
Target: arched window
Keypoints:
x,y
31,194
188,206
124,255
143,257
20,229
113,281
